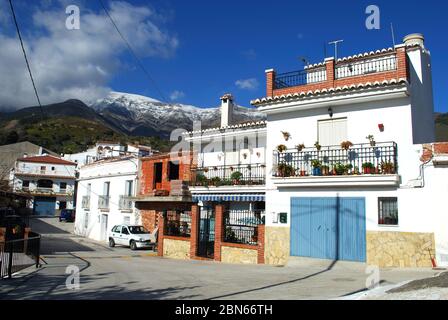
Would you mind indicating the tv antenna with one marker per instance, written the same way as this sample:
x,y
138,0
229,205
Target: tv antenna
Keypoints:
x,y
393,33
335,43
304,60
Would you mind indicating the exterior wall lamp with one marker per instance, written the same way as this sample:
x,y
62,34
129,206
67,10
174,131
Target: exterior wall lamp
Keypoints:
x,y
330,112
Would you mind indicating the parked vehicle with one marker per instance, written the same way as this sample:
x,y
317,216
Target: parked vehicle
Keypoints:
x,y
133,236
67,215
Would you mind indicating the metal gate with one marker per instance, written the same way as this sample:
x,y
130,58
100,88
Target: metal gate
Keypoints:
x,y
329,228
206,234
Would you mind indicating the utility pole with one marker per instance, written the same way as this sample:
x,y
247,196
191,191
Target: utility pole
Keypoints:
x,y
335,43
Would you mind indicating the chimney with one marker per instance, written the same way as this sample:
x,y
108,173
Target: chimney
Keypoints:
x,y
414,39
226,110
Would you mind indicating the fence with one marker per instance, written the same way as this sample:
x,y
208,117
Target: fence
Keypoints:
x,y
363,67
103,202
177,223
125,203
301,77
241,226
333,160
248,174
16,255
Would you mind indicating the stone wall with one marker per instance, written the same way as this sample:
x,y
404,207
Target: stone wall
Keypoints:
x,y
276,246
239,255
399,249
177,249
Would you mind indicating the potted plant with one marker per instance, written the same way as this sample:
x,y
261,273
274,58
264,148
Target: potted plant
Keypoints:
x,y
231,168
339,169
346,145
216,181
300,147
244,155
325,170
387,167
347,168
201,179
356,171
316,167
371,139
286,135
368,168
285,170
205,170
317,145
236,177
281,148
215,168
302,173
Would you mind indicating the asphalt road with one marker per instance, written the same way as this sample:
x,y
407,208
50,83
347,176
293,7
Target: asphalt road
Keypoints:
x,y
119,273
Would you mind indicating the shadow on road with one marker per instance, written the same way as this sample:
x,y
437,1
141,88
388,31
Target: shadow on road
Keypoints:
x,y
52,287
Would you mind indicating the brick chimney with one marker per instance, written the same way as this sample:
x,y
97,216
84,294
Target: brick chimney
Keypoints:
x,y
226,110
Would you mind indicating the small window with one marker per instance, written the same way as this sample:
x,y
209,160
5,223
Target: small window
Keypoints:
x,y
43,168
124,230
63,185
25,184
388,211
173,173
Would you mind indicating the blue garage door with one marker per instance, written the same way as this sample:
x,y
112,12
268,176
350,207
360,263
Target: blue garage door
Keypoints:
x,y
44,206
328,228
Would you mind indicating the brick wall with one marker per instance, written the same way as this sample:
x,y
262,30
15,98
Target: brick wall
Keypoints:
x,y
194,230
331,82
147,185
219,216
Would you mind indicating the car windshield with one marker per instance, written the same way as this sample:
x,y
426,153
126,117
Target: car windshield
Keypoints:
x,y
137,230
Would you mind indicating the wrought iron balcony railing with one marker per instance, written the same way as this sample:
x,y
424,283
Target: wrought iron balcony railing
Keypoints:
x,y
301,77
125,203
247,174
241,226
358,159
103,202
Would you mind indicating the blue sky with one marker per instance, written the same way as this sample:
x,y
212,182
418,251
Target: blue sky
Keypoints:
x,y
208,48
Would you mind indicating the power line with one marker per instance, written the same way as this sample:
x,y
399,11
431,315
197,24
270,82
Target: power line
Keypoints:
x,y
131,50
26,58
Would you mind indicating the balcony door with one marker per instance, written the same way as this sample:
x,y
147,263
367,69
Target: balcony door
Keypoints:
x,y
332,132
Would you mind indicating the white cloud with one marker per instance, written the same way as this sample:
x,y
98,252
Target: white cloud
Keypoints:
x,y
77,63
247,84
176,95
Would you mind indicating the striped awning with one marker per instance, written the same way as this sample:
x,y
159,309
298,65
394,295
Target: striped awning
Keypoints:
x,y
228,197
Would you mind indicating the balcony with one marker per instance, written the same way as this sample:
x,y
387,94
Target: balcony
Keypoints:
x,y
230,175
125,203
301,77
358,165
85,202
103,202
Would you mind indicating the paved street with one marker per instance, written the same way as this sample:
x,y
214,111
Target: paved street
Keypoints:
x,y
120,273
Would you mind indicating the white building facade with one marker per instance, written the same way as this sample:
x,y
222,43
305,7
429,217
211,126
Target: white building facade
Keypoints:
x,y
105,189
345,178
49,180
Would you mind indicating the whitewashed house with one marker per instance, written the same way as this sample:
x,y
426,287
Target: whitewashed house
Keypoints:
x,y
105,189
230,169
104,149
49,180
345,176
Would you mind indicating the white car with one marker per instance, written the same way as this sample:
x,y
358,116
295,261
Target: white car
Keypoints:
x,y
131,235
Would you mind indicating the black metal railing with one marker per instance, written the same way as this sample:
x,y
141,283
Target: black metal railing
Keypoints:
x,y
177,223
231,175
241,226
16,255
359,159
299,78
363,67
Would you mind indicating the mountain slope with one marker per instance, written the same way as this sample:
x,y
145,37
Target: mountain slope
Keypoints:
x,y
67,127
139,115
441,120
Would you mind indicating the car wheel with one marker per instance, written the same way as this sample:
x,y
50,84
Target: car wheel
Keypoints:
x,y
133,245
111,243
60,220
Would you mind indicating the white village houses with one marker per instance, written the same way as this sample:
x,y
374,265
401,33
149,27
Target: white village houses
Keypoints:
x,y
49,180
105,189
345,176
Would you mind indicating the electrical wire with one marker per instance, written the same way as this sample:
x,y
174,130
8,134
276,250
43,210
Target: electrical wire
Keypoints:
x,y
26,58
131,50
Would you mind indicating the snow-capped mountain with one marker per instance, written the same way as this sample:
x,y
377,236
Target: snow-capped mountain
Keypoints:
x,y
140,115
